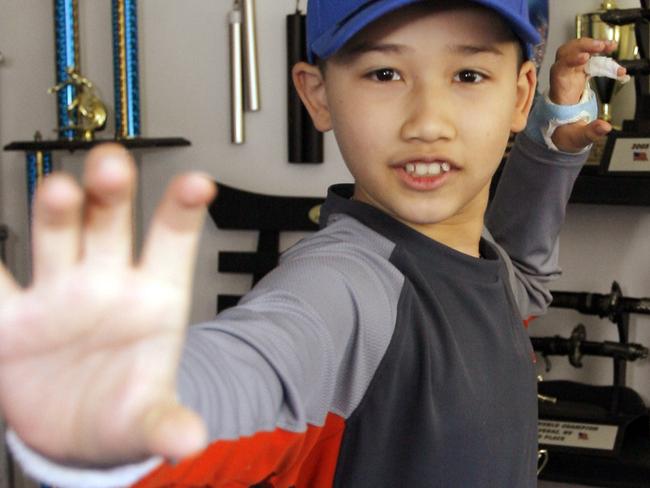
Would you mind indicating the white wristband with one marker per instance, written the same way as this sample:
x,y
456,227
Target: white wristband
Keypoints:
x,y
63,476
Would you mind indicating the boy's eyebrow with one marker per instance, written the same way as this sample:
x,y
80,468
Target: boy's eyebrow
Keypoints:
x,y
474,49
365,47
356,50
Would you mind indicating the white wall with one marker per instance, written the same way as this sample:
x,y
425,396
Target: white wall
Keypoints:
x,y
184,89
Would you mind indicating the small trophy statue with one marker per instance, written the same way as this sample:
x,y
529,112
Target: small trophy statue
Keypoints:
x,y
592,25
88,109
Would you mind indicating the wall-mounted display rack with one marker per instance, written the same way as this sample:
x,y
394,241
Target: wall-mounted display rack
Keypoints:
x,y
598,188
131,143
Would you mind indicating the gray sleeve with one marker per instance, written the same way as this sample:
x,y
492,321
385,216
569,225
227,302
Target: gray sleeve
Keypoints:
x,y
526,214
275,360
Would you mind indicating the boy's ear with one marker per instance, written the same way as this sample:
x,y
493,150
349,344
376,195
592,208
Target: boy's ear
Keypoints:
x,y
526,85
310,85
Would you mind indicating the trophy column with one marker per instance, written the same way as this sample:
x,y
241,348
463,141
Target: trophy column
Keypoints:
x,y
66,33
125,65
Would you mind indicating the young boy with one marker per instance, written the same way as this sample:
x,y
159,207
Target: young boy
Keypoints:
x,y
386,350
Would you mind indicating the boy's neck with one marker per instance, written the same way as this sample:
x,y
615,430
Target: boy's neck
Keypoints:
x,y
462,237
461,232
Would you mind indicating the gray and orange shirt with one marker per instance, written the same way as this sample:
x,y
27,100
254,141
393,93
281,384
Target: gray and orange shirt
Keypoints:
x,y
374,356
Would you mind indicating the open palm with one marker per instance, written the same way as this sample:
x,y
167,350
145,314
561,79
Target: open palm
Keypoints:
x,y
89,351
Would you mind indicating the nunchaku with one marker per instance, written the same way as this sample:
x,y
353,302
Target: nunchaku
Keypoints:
x,y
244,70
305,142
576,346
616,307
603,305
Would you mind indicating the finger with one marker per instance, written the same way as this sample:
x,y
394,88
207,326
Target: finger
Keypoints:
x,y
610,46
174,432
570,52
597,129
56,226
109,181
170,247
575,137
8,285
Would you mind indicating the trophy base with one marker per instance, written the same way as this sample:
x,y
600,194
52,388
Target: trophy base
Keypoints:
x,y
627,152
595,435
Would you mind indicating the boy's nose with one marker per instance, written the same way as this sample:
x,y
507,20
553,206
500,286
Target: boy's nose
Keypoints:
x,y
429,117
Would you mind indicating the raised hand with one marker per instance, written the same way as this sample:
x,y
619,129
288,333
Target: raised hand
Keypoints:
x,y
89,351
567,84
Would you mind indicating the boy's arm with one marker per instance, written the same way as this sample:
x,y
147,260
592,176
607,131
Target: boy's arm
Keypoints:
x,y
261,378
529,205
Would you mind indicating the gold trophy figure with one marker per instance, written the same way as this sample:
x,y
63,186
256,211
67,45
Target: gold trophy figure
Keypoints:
x,y
90,110
591,25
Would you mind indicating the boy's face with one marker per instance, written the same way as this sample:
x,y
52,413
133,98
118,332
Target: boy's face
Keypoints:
x,y
422,104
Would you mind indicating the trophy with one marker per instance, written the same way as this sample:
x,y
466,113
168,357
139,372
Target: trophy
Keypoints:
x,y
627,151
592,25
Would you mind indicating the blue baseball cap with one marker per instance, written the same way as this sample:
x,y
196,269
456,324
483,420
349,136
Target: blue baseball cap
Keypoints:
x,y
332,23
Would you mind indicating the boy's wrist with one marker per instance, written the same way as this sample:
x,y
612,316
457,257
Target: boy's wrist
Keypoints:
x,y
44,469
547,116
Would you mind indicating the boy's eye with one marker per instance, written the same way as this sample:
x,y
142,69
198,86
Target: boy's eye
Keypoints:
x,y
469,76
385,74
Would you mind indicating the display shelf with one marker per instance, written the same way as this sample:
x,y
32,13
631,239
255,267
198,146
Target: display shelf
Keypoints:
x,y
594,187
607,189
64,145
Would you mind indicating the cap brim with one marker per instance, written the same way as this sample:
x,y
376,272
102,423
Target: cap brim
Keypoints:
x,y
334,39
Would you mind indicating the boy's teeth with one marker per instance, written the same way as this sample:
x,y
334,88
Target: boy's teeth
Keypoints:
x,y
427,169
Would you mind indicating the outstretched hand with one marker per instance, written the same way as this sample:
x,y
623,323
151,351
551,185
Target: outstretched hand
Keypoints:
x,y
567,83
89,351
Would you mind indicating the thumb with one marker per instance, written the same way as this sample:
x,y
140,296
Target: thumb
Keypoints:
x,y
174,432
575,137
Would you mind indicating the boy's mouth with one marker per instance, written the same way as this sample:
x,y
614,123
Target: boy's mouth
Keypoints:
x,y
425,174
423,169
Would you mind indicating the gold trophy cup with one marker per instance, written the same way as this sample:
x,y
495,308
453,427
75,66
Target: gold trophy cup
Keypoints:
x,y
591,25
